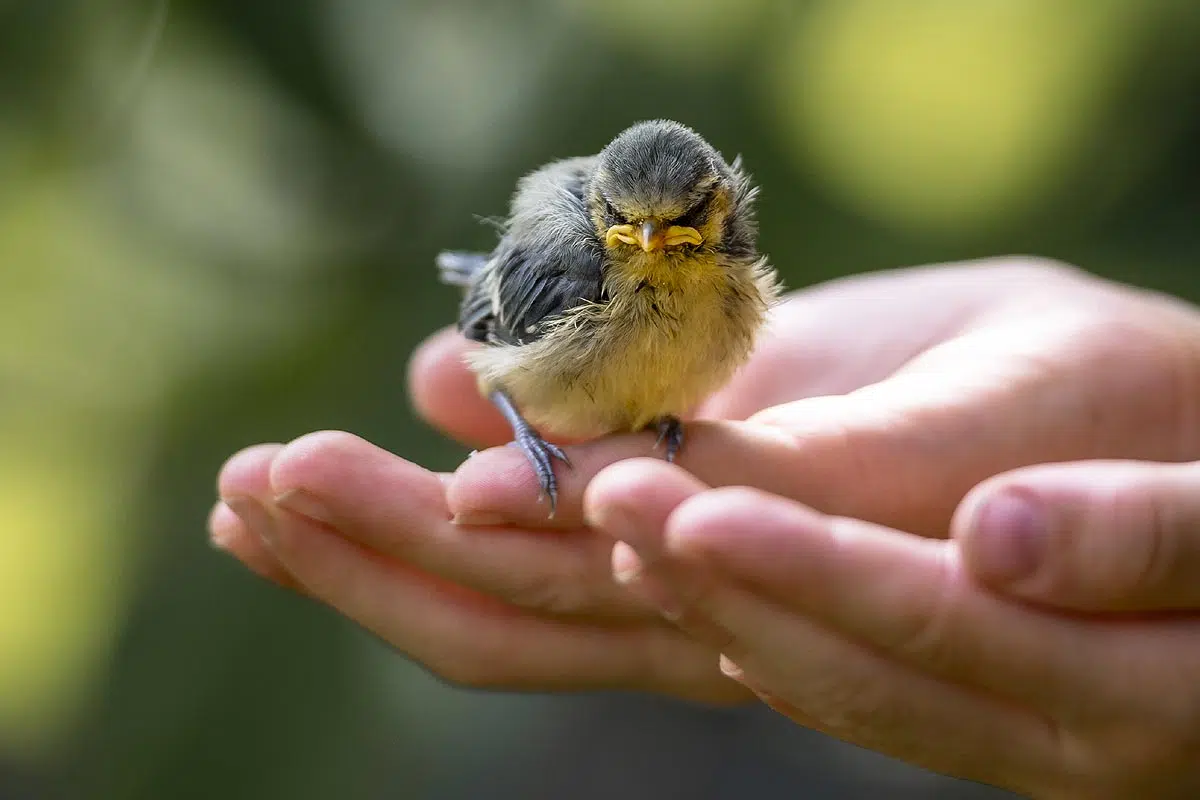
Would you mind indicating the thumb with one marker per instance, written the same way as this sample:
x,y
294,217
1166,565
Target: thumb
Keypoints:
x,y
1091,536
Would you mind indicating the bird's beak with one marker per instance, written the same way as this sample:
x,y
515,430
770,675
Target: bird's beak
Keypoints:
x,y
649,236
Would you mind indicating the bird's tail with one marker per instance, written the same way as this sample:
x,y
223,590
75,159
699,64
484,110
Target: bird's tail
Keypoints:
x,y
458,268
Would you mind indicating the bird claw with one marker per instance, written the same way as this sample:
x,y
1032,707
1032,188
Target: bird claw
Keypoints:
x,y
670,430
541,455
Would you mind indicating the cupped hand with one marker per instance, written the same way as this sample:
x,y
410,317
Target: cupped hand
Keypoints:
x,y
883,397
1052,646
351,525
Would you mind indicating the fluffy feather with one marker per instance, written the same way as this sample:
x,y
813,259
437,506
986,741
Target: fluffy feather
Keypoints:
x,y
587,339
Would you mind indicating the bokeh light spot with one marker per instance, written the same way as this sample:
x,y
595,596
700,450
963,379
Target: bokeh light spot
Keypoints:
x,y
944,116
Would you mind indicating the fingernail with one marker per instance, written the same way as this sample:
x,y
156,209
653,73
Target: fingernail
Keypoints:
x,y
730,669
301,502
626,563
257,519
219,541
218,536
1009,531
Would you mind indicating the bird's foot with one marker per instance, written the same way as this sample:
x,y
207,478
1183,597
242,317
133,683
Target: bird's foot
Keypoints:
x,y
670,430
541,455
538,451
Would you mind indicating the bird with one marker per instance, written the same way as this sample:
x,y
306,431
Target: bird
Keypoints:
x,y
624,289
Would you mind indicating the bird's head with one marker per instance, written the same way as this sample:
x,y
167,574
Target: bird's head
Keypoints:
x,y
660,187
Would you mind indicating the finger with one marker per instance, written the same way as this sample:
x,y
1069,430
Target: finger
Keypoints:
x,y
445,394
1030,389
813,674
498,485
910,600
229,534
398,508
904,596
816,343
244,474
471,639
1092,536
628,503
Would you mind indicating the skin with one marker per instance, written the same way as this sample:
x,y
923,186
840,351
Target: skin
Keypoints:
x,y
804,533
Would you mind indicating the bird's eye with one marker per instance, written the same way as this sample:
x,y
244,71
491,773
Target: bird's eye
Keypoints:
x,y
694,215
691,218
611,212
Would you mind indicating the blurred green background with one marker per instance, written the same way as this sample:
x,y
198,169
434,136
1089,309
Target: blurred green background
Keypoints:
x,y
217,225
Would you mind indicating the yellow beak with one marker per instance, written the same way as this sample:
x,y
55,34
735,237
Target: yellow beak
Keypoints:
x,y
649,236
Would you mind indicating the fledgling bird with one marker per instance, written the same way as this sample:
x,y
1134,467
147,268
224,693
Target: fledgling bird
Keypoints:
x,y
626,287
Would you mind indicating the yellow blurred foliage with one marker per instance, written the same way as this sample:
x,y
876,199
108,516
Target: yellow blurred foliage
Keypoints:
x,y
87,379
65,561
946,116
125,272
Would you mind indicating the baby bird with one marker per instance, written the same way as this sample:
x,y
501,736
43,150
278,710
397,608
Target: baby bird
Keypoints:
x,y
626,287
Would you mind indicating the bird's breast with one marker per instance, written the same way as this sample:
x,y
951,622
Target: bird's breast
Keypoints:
x,y
654,348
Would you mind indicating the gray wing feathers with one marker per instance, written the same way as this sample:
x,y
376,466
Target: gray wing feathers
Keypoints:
x,y
458,268
548,261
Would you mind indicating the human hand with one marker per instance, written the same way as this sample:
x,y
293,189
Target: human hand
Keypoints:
x,y
1080,683
346,523
885,397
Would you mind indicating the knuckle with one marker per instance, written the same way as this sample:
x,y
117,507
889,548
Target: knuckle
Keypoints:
x,y
1135,558
926,633
1152,546
553,594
